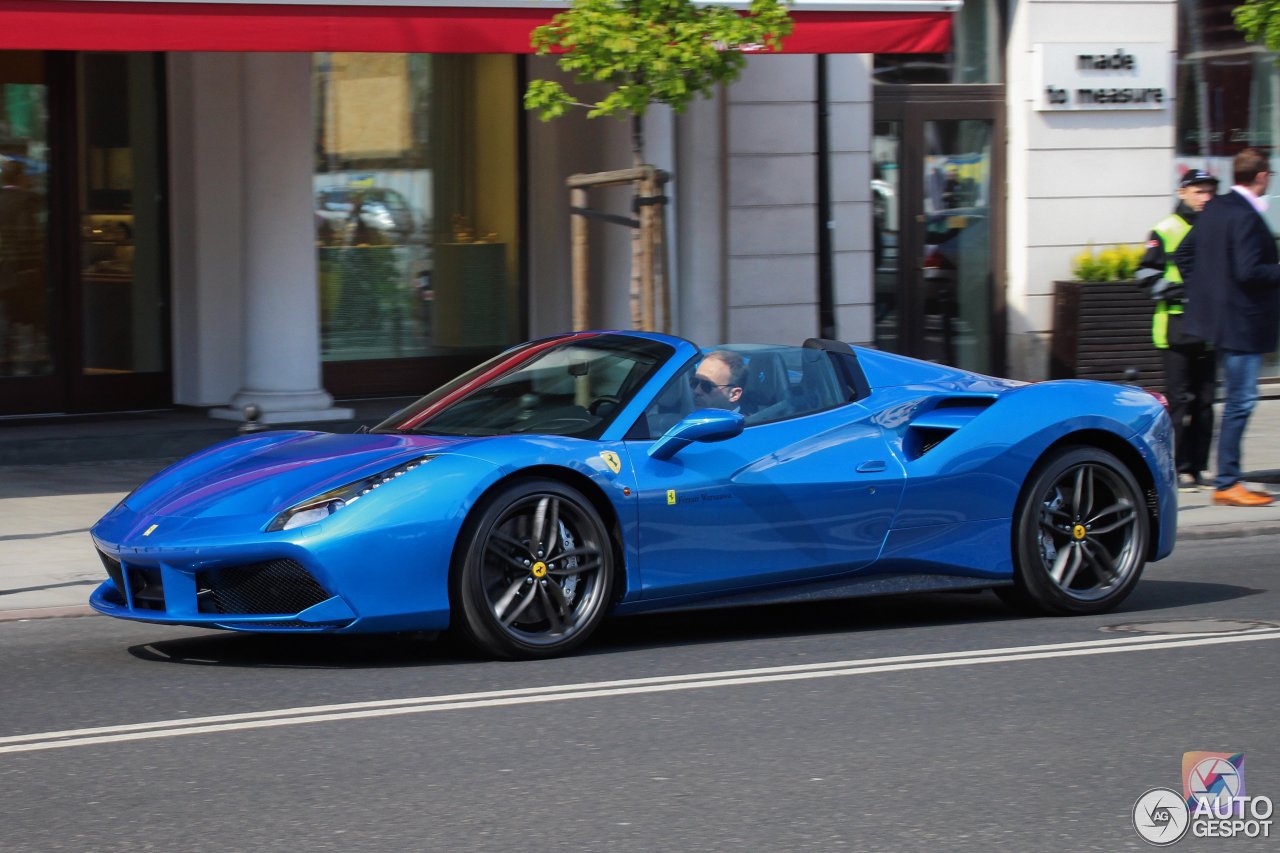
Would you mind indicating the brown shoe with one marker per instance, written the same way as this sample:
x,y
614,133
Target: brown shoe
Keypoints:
x,y
1238,495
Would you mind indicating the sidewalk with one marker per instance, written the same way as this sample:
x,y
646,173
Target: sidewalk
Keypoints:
x,y
48,566
58,476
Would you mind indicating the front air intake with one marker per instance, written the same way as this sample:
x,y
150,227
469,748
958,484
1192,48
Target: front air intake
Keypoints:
x,y
258,589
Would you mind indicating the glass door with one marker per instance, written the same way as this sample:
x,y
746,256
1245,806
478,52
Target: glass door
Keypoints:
x,y
938,224
27,307
120,312
83,266
954,275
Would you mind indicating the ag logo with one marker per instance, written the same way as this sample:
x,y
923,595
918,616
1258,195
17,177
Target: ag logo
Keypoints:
x,y
611,459
1161,817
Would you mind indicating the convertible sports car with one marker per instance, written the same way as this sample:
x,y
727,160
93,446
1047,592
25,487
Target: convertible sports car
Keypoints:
x,y
573,477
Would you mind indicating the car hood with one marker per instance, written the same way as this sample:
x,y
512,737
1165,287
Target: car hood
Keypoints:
x,y
265,474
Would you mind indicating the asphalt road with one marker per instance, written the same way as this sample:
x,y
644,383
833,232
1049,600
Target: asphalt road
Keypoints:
x,y
767,729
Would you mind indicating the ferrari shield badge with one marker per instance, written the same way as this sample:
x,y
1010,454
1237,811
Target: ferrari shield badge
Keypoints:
x,y
611,459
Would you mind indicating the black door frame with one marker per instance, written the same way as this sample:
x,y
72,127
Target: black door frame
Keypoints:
x,y
911,106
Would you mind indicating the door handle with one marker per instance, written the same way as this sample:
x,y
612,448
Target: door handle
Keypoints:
x,y
871,467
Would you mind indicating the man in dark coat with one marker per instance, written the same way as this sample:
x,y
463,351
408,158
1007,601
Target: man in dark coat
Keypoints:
x,y
1229,265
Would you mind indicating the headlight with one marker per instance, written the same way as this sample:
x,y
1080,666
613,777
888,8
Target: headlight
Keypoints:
x,y
322,506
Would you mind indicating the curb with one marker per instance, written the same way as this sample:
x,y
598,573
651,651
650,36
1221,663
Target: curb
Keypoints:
x,y
46,613
1228,530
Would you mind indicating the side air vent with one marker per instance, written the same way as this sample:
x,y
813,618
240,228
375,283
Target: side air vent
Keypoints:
x,y
944,419
920,440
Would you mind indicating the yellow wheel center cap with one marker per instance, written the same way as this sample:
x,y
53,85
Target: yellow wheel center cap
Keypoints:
x,y
540,569
1079,532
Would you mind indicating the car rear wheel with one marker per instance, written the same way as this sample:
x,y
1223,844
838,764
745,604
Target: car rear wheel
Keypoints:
x,y
535,573
1080,535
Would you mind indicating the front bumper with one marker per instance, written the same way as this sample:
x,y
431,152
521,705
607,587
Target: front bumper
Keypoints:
x,y
333,577
271,595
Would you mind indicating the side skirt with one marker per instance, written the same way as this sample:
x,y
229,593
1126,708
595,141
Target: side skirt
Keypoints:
x,y
856,587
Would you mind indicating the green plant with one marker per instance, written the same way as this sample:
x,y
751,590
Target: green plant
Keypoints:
x,y
1117,263
650,52
1259,21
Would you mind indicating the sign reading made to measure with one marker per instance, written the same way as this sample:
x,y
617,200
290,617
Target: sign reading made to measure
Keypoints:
x,y
1100,77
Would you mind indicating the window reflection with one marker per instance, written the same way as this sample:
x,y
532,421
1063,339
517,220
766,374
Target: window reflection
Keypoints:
x,y
885,193
24,205
974,57
415,209
122,271
1228,100
955,272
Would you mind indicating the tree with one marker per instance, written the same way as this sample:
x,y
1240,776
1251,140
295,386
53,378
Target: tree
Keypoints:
x,y
647,52
1259,20
650,52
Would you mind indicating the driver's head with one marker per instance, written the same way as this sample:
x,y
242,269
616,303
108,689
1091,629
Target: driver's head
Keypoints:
x,y
718,381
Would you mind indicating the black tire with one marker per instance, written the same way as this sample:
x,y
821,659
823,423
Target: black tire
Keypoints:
x,y
533,575
1080,535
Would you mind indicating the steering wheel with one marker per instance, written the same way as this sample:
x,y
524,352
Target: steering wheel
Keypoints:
x,y
594,407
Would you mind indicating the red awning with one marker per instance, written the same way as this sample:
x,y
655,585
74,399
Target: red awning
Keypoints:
x,y
405,26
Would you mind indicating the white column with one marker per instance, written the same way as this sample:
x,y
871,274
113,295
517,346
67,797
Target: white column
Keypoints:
x,y
1052,214
771,190
281,301
206,290
698,205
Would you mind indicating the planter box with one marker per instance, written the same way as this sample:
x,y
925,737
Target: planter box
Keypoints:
x,y
1102,330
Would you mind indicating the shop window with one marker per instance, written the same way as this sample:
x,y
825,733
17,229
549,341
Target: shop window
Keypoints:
x,y
1228,99
123,316
416,204
1227,90
25,311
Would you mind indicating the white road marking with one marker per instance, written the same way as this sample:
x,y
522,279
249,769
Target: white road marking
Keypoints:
x,y
625,687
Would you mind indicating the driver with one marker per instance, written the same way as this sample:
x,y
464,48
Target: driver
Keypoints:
x,y
718,381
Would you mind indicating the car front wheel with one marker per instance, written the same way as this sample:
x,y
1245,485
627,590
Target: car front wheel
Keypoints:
x,y
535,571
1080,535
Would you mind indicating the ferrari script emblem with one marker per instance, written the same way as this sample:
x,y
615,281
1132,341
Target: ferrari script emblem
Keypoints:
x,y
611,459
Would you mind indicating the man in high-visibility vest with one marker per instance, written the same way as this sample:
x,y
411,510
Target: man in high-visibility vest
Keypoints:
x,y
1189,363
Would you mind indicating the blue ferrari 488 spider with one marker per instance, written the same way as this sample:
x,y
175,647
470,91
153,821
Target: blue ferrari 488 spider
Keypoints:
x,y
620,472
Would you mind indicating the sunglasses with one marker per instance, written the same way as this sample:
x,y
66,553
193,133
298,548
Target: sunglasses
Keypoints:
x,y
700,383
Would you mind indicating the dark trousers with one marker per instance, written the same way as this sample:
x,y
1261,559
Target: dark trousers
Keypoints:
x,y
1189,386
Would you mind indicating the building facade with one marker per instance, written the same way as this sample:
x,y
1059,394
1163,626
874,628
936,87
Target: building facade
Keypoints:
x,y
205,215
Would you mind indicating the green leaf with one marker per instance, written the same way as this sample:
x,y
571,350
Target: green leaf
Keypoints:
x,y
650,51
1259,21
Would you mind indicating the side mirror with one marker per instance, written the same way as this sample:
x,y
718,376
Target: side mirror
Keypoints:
x,y
703,425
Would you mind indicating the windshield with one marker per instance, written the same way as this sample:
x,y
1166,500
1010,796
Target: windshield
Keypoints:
x,y
573,385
